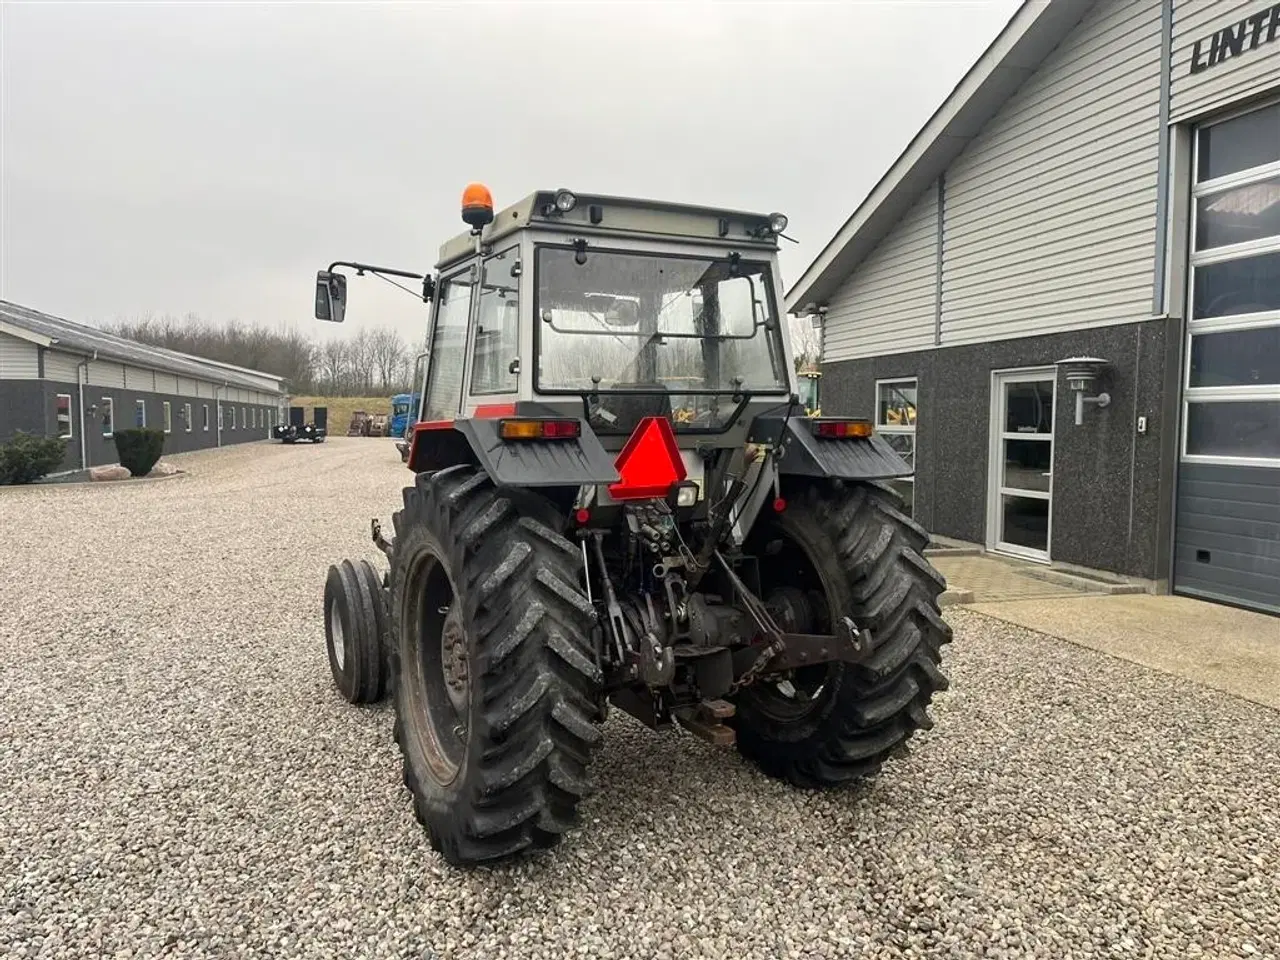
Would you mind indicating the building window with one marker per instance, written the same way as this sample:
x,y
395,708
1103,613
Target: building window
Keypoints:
x,y
244,417
1232,386
233,417
204,416
140,413
108,417
896,422
186,417
62,406
220,416
168,416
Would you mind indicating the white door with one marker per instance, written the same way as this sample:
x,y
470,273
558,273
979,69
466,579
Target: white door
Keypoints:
x,y
1020,481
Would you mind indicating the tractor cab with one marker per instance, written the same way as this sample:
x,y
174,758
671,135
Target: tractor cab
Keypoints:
x,y
606,309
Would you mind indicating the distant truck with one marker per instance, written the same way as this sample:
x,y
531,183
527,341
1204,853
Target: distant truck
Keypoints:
x,y
403,408
298,429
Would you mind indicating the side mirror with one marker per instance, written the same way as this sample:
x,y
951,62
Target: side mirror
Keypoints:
x,y
331,296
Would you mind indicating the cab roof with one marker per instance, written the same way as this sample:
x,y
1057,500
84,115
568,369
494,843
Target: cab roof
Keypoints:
x,y
599,215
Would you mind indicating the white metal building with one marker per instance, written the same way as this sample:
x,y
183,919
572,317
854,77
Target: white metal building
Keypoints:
x,y
78,383
1104,182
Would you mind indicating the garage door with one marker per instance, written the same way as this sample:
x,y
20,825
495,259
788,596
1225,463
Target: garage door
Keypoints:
x,y
1228,514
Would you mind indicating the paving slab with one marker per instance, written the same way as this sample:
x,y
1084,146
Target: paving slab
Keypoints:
x,y
985,578
1236,651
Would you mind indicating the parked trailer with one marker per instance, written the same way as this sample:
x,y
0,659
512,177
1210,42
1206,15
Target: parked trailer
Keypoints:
x,y
298,429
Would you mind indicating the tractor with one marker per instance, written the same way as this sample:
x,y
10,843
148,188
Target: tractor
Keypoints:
x,y
616,501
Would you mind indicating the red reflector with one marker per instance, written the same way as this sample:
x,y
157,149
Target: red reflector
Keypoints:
x,y
582,516
779,505
649,463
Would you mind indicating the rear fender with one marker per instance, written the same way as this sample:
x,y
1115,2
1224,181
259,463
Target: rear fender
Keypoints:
x,y
848,458
516,463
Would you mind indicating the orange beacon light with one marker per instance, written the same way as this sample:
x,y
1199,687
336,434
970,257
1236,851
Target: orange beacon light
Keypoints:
x,y
477,205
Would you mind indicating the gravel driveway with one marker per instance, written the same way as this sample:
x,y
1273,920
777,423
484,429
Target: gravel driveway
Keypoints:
x,y
178,776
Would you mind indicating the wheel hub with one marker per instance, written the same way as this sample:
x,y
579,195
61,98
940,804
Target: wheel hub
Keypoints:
x,y
791,609
453,650
339,638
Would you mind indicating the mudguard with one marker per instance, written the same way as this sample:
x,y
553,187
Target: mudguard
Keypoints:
x,y
805,455
523,463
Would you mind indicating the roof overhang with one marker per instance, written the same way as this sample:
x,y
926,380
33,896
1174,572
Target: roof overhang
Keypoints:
x,y
1031,33
30,336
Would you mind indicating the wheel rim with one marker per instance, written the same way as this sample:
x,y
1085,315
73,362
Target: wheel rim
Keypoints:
x,y
797,608
440,689
338,635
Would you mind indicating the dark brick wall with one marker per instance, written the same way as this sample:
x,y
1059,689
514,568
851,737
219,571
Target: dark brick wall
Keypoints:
x,y
30,405
1108,481
23,407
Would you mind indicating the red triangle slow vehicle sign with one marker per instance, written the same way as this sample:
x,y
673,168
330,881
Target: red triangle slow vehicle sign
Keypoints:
x,y
649,463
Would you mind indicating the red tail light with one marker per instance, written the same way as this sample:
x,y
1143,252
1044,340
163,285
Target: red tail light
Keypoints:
x,y
649,463
531,429
840,429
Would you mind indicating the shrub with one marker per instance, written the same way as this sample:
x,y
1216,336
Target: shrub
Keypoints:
x,y
139,448
27,458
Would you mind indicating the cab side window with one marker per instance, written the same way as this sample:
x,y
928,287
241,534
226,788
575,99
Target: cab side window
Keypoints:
x,y
497,344
448,346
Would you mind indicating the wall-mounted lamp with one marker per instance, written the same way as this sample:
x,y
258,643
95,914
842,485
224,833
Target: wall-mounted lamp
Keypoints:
x,y
1081,374
818,317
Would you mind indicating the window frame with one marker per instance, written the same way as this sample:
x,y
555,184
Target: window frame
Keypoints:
x,y
166,412
233,417
899,429
186,416
473,323
109,419
71,420
1260,320
140,405
204,420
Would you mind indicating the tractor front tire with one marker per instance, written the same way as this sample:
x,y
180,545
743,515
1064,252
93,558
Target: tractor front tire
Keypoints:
x,y
494,669
847,548
354,627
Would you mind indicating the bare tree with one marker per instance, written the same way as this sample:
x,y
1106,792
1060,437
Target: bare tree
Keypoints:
x,y
387,349
806,342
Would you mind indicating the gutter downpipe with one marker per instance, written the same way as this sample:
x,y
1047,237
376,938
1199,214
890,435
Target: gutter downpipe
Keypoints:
x,y
217,408
80,385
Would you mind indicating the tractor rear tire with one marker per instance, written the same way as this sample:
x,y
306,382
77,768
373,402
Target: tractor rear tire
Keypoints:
x,y
354,626
495,674
840,722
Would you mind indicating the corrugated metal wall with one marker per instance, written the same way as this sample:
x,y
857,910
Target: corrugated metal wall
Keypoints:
x,y
1050,215
19,360
106,373
1238,76
888,305
60,366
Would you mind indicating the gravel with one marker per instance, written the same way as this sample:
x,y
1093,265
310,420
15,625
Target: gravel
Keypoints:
x,y
178,776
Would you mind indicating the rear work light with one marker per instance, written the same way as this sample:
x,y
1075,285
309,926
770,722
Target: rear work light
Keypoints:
x,y
531,429
842,429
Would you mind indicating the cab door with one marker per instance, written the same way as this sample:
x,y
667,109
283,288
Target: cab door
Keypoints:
x,y
442,397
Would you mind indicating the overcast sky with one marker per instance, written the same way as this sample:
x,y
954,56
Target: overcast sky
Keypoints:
x,y
179,157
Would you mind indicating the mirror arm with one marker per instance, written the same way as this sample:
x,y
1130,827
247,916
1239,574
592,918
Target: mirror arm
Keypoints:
x,y
360,268
428,285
